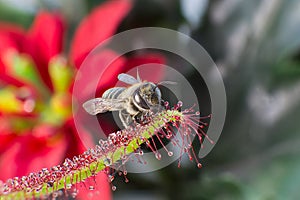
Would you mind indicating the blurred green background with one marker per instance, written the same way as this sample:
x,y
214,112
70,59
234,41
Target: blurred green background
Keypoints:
x,y
256,45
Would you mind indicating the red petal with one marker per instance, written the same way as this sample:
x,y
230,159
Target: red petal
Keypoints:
x,y
6,135
44,41
7,43
109,76
75,145
98,26
11,37
5,140
100,63
6,79
101,189
30,154
153,71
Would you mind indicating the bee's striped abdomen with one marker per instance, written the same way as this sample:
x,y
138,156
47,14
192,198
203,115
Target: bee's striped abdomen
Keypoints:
x,y
113,93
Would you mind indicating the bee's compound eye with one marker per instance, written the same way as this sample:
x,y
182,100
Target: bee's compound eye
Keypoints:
x,y
156,96
154,99
140,101
157,93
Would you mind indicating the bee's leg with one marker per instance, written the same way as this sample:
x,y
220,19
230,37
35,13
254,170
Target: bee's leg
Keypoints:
x,y
141,118
125,118
136,118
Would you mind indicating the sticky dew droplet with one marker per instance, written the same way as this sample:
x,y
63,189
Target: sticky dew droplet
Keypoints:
x,y
107,161
91,187
158,156
68,186
55,194
166,103
179,104
170,153
74,193
111,178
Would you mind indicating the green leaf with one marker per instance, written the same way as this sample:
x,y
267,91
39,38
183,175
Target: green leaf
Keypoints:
x,y
23,68
61,74
8,101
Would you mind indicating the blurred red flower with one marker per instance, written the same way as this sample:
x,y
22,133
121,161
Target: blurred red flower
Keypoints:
x,y
36,125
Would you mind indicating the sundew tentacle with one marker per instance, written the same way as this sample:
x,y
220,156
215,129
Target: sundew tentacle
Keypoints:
x,y
115,151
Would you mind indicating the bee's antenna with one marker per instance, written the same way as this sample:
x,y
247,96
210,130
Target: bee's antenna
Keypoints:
x,y
167,82
164,82
138,75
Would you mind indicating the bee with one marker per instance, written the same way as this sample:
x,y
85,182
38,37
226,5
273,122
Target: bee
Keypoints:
x,y
133,103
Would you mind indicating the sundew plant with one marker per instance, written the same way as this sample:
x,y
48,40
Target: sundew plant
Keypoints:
x,y
43,154
56,55
115,151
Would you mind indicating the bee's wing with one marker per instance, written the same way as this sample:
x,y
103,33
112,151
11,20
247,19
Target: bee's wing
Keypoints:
x,y
126,78
101,105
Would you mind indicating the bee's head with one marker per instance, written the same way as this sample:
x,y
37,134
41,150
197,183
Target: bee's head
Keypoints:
x,y
147,96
